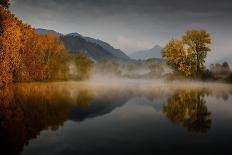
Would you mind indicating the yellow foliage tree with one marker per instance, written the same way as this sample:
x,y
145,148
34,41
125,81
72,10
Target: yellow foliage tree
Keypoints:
x,y
197,41
178,57
187,56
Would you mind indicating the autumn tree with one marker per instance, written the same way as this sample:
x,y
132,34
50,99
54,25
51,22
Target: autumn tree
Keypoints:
x,y
9,46
187,55
53,57
197,41
178,57
28,56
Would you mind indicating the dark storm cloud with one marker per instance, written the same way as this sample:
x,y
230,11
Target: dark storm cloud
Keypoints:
x,y
146,6
131,24
171,12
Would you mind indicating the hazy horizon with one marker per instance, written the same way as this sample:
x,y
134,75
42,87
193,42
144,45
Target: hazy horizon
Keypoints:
x,y
133,25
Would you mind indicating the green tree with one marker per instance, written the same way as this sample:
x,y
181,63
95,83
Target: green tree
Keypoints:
x,y
84,66
187,55
155,66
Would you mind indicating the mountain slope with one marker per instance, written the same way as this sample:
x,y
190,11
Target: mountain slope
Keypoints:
x,y
77,44
116,52
155,52
95,48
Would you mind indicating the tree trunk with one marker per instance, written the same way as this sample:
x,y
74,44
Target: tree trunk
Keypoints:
x,y
198,65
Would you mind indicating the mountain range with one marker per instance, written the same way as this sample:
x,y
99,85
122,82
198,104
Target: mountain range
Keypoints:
x,y
155,52
94,48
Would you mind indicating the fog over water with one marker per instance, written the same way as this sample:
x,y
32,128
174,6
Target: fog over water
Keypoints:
x,y
119,116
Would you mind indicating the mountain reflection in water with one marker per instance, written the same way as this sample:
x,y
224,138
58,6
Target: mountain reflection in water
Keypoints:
x,y
28,109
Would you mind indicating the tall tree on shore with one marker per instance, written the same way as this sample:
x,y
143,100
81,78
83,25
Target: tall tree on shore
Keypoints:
x,y
187,55
197,41
178,58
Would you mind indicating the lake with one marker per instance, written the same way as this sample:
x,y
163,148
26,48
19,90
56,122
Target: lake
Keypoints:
x,y
116,117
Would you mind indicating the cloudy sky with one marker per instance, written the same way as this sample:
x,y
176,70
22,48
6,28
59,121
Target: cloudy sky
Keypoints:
x,y
133,25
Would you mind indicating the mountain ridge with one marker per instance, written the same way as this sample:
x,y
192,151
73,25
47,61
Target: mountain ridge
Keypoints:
x,y
88,45
154,52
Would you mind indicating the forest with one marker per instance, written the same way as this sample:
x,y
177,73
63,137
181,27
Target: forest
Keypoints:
x,y
27,56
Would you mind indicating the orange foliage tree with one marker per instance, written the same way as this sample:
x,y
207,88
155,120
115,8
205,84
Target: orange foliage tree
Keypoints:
x,y
27,56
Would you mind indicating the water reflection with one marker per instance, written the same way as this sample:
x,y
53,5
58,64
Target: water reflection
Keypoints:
x,y
25,111
188,108
28,109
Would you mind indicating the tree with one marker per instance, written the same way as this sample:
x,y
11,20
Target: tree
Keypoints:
x,y
178,57
187,55
197,41
27,56
9,46
223,68
155,66
226,68
84,66
5,3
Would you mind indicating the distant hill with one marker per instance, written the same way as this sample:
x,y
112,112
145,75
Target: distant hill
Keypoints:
x,y
95,48
155,52
76,44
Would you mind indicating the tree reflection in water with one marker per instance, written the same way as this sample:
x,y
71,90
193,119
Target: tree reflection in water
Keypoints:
x,y
188,108
27,110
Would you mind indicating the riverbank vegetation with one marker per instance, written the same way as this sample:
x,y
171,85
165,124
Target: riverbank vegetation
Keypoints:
x,y
186,57
27,56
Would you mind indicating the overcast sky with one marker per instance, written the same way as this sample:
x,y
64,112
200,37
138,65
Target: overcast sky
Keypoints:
x,y
133,25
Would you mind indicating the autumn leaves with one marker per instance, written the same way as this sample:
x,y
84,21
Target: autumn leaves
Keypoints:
x,y
27,56
187,55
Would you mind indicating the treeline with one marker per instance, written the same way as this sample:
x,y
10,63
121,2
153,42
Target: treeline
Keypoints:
x,y
219,72
27,56
142,69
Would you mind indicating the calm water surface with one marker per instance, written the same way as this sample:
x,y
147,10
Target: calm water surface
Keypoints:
x,y
122,118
